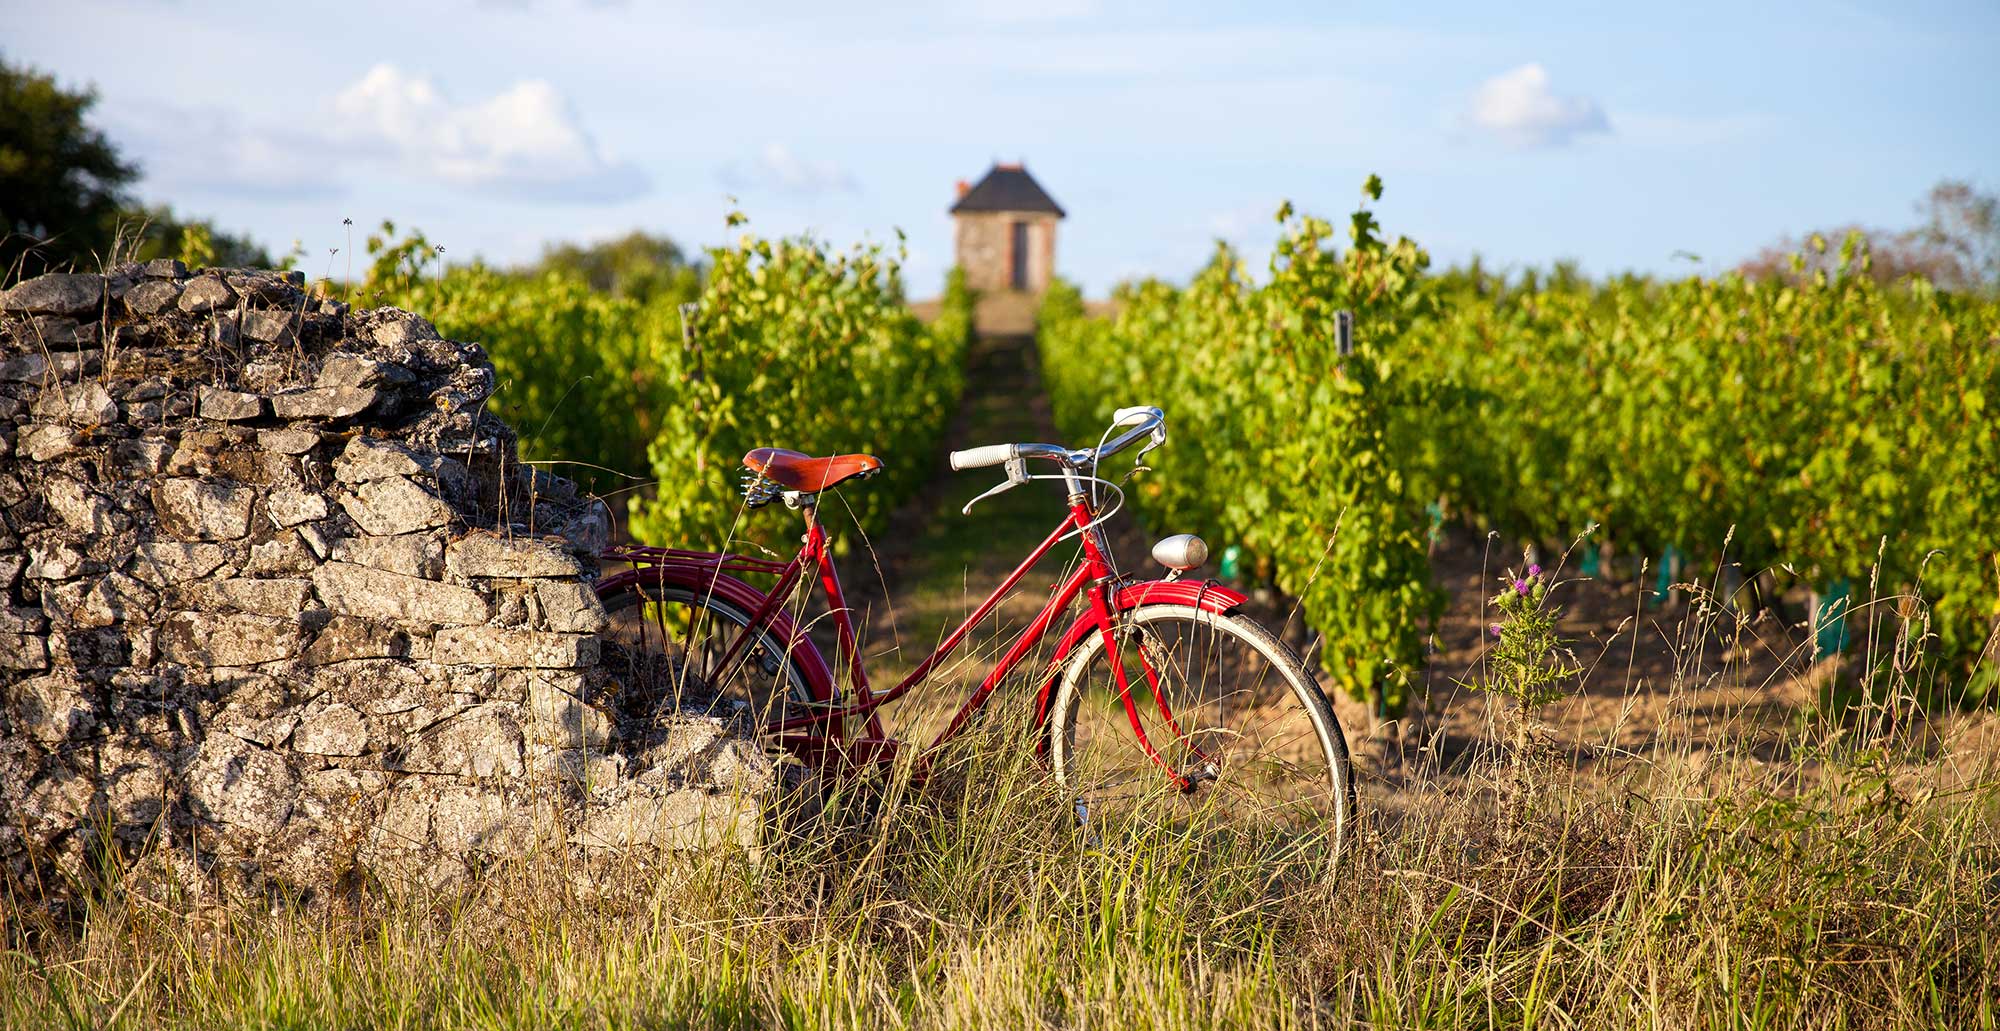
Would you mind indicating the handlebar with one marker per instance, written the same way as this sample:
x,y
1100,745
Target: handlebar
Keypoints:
x,y
1146,421
981,457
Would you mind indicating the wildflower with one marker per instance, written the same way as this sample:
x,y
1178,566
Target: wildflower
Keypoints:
x,y
1521,588
1495,628
1535,570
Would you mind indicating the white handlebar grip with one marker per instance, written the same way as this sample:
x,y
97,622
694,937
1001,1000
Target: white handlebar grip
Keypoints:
x,y
981,457
1123,415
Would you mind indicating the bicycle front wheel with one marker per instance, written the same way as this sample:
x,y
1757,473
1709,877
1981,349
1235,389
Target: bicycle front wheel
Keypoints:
x,y
1226,706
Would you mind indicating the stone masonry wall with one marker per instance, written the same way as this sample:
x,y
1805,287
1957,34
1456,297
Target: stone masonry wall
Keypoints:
x,y
280,611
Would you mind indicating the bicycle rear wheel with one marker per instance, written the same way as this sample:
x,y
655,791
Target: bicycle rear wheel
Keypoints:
x,y
665,645
1249,727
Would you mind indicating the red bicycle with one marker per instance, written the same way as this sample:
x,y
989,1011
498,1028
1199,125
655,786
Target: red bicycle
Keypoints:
x,y
1160,692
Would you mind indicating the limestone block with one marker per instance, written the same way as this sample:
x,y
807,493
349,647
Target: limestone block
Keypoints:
x,y
115,599
414,554
261,597
491,555
499,646
334,730
323,402
23,651
589,532
194,510
81,508
404,331
21,621
350,637
80,404
484,741
153,297
288,441
166,563
358,590
21,368
289,507
218,639
558,717
205,294
571,606
689,818
54,708
58,293
285,553
270,326
393,506
228,405
234,782
350,370
367,458
47,442
54,560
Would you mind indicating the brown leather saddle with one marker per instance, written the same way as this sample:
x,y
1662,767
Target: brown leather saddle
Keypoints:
x,y
795,471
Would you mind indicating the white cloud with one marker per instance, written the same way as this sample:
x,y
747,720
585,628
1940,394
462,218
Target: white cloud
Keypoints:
x,y
525,142
1520,109
211,152
776,168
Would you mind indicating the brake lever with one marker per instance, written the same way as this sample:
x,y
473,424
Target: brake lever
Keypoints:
x,y
1157,440
1017,474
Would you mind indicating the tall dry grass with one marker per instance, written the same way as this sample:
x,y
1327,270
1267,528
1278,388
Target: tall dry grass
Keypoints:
x,y
1848,878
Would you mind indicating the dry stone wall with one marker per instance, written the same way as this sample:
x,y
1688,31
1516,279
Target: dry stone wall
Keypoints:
x,y
281,612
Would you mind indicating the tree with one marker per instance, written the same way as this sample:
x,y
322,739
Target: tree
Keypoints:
x,y
63,199
1964,223
637,265
1957,247
62,183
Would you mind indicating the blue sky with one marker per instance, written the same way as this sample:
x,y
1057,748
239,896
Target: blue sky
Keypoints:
x,y
1616,135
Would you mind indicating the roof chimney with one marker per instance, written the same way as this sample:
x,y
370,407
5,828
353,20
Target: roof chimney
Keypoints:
x,y
964,187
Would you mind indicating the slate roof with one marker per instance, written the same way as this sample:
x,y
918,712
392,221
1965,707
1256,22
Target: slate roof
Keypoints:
x,y
1008,188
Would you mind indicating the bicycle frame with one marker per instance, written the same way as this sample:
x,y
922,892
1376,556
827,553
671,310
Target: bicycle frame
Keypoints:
x,y
820,737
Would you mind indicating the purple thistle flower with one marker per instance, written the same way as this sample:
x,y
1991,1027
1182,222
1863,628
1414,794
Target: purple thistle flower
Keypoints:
x,y
1521,587
1535,570
1495,628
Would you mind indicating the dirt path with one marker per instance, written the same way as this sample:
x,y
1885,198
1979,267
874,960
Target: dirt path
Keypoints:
x,y
940,564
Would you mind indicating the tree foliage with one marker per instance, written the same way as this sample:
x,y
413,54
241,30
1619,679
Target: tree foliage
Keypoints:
x,y
639,266
62,183
1956,246
1828,427
64,191
1281,444
791,343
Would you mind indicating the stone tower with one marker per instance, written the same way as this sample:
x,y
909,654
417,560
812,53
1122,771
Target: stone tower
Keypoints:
x,y
1006,232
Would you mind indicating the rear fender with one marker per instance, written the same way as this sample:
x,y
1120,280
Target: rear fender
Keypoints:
x,y
1203,594
704,579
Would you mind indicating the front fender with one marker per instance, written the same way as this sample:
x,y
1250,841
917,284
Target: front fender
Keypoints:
x,y
1199,594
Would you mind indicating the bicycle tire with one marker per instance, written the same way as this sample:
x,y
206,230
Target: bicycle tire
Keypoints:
x,y
1320,768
